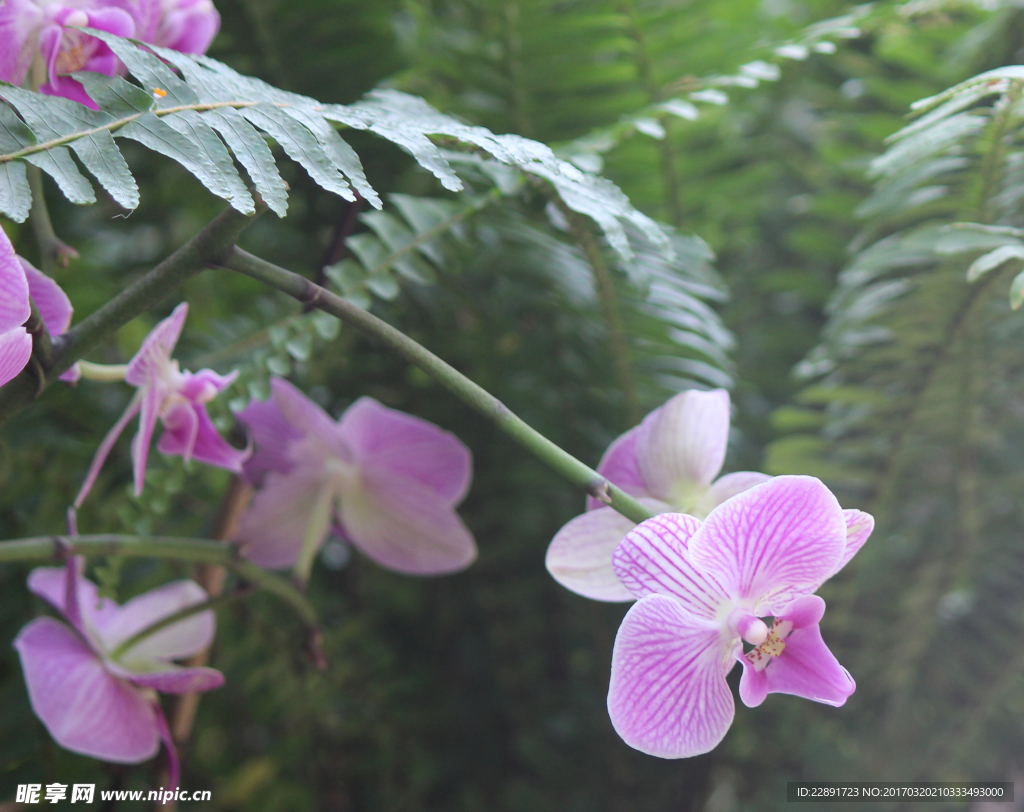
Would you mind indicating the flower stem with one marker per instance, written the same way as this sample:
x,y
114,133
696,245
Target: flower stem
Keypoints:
x,y
174,617
174,549
466,390
107,373
205,247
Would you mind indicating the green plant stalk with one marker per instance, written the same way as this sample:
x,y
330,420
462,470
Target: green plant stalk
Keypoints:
x,y
215,240
462,387
42,548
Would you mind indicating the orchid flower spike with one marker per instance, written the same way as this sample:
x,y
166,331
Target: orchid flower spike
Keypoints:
x,y
178,399
669,462
389,481
702,590
96,696
19,281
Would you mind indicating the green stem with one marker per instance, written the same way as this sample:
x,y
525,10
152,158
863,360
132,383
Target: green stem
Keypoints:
x,y
53,252
171,619
42,548
470,393
213,242
107,373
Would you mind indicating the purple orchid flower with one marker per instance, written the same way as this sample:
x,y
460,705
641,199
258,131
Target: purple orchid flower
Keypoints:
x,y
31,27
702,589
669,462
390,480
178,399
188,26
94,698
28,27
18,282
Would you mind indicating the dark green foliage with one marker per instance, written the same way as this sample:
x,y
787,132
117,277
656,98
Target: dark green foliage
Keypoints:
x,y
486,690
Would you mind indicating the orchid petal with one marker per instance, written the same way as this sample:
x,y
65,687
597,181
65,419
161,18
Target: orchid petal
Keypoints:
x,y
620,466
68,88
401,524
271,433
155,353
859,526
668,695
170,679
84,707
15,352
805,611
188,636
189,26
273,527
409,447
164,731
580,555
18,21
806,668
105,447
145,13
773,543
150,412
53,303
207,445
14,305
653,559
181,428
307,417
681,446
728,486
205,385
49,583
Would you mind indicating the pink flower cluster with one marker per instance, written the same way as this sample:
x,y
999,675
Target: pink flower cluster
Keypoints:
x,y
33,32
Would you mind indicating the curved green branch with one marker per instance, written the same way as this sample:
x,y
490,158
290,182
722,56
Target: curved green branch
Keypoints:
x,y
462,387
57,548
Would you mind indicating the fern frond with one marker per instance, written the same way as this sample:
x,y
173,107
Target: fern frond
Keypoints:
x,y
208,113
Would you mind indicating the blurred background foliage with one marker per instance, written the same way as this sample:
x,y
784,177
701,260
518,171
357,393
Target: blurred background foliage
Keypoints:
x,y
797,248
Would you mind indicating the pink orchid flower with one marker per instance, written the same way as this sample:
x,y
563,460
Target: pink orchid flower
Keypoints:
x,y
702,589
389,480
669,462
31,27
95,699
178,399
19,281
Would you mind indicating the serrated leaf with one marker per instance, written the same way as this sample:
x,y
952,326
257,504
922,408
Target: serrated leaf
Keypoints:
x,y
14,135
338,151
252,152
161,137
150,71
301,146
101,156
213,152
15,195
114,95
59,165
